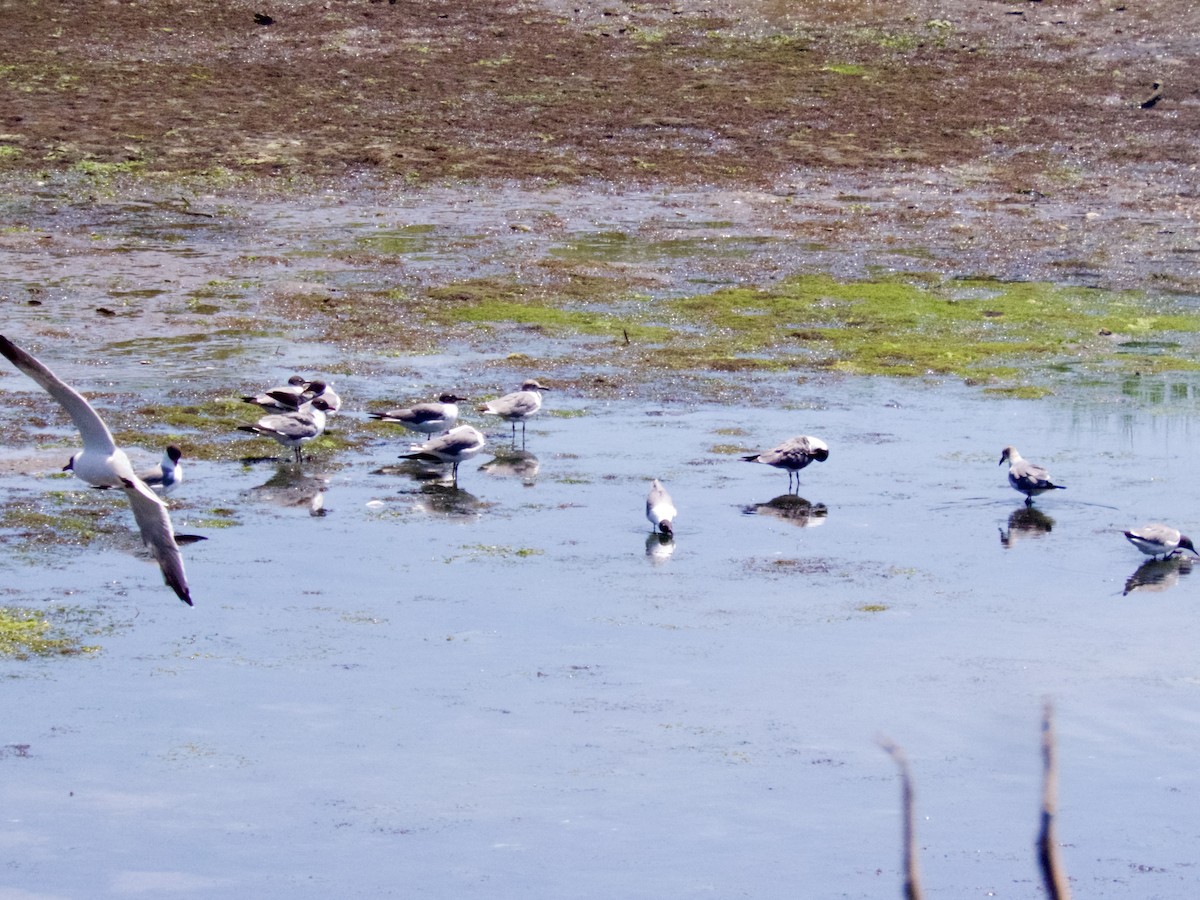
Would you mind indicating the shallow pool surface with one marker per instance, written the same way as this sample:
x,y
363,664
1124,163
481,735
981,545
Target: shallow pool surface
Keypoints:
x,y
394,686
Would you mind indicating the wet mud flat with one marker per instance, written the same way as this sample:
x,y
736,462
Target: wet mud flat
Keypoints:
x,y
511,686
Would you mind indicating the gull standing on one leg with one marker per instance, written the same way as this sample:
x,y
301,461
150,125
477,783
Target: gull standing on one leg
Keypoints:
x,y
660,509
517,406
102,463
793,454
1026,477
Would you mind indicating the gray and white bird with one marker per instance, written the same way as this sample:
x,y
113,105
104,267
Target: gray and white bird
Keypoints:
x,y
1157,539
660,509
168,474
282,398
294,429
1028,478
452,448
322,390
102,463
517,406
793,454
425,418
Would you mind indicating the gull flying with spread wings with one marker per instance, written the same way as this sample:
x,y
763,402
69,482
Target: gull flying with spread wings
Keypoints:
x,y
102,463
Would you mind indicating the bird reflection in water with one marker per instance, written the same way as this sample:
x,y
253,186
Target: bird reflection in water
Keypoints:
x,y
1158,574
792,509
1025,522
291,486
659,547
440,499
513,464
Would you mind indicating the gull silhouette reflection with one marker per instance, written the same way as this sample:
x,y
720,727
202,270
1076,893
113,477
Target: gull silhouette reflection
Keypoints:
x,y
1025,522
659,547
1158,574
792,509
513,464
292,486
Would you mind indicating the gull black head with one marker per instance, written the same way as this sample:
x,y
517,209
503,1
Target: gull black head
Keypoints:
x,y
320,403
1185,543
451,398
174,453
665,527
821,454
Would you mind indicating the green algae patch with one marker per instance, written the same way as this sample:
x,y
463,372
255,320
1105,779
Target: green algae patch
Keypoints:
x,y
976,329
26,634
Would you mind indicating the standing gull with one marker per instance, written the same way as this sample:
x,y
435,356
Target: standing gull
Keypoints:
x,y
660,510
102,463
1026,477
455,446
284,398
292,429
517,406
167,474
1157,539
426,418
793,454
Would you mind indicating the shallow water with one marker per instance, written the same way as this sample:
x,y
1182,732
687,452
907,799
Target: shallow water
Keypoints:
x,y
513,690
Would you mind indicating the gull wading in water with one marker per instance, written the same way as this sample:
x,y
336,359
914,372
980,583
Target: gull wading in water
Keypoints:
x,y
167,474
455,446
103,464
793,454
284,398
292,429
660,509
1026,477
517,406
1157,539
425,418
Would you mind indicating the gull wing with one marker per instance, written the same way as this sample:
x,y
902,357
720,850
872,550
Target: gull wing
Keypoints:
x,y
95,433
155,525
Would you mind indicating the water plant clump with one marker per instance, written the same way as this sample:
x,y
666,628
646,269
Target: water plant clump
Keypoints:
x,y
28,633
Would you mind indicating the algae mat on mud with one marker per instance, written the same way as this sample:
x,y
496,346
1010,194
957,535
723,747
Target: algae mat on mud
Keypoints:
x,y
985,331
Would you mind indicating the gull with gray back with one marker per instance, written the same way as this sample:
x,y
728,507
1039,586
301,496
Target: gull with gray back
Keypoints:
x,y
793,454
425,418
1028,478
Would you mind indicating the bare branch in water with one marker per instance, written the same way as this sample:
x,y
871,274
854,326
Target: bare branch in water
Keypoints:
x,y
1053,876
912,878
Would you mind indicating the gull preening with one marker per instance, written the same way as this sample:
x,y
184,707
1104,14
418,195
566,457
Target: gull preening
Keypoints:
x,y
793,454
168,474
294,429
1028,478
660,509
425,418
455,446
102,463
1157,539
517,406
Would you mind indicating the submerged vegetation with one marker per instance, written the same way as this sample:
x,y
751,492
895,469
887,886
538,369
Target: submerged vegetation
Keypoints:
x,y
27,633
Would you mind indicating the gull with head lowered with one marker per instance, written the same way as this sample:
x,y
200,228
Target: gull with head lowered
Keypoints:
x,y
102,463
